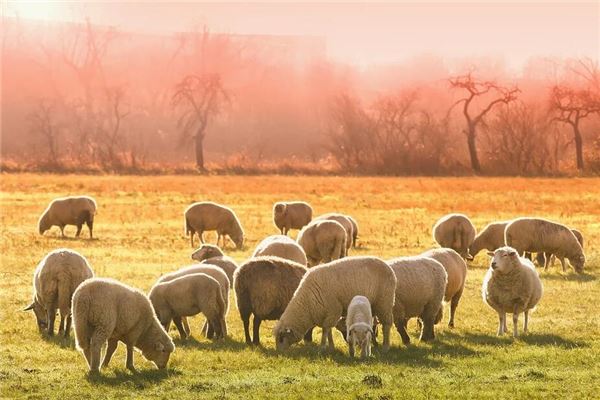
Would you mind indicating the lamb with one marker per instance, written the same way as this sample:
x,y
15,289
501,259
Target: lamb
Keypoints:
x,y
291,215
419,293
263,287
325,293
323,241
456,268
354,230
63,211
511,285
210,270
108,310
359,324
189,295
547,259
281,246
455,231
344,221
536,235
209,216
54,281
211,254
490,238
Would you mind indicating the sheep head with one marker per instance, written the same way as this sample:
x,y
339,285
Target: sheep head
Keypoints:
x,y
504,259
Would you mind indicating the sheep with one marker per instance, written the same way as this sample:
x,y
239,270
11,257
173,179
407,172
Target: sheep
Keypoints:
x,y
547,259
189,295
323,241
281,246
419,293
456,268
455,231
75,210
354,230
210,270
211,254
209,216
263,288
54,281
511,285
291,215
359,322
325,292
344,221
541,235
490,238
108,310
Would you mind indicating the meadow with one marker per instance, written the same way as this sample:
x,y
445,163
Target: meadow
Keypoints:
x,y
139,230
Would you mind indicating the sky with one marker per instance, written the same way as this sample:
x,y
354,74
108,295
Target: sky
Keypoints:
x,y
360,33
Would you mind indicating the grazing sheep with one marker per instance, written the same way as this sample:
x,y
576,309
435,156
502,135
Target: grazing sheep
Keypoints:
x,y
456,268
325,293
291,215
210,270
189,295
107,310
455,231
344,221
490,238
419,293
354,230
211,254
54,281
263,288
209,216
511,285
547,259
69,211
281,246
537,235
359,322
323,241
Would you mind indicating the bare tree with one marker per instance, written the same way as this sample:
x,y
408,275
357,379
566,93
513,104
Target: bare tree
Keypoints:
x,y
477,89
200,98
110,132
42,123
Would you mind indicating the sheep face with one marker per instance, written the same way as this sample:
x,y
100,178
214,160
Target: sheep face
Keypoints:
x,y
504,259
44,224
159,353
360,335
279,209
40,315
238,239
205,252
577,262
284,338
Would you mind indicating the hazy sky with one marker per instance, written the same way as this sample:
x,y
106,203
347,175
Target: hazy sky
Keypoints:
x,y
365,33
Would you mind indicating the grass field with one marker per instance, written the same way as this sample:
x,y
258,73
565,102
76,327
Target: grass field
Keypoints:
x,y
139,227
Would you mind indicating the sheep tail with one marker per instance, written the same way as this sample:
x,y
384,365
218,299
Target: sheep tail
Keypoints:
x,y
81,309
186,226
221,308
64,297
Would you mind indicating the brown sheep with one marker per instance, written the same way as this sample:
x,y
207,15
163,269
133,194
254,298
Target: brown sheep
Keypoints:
x,y
209,216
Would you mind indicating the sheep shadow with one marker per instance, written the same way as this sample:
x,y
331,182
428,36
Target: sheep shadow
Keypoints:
x,y
140,379
221,344
548,339
59,340
571,277
507,340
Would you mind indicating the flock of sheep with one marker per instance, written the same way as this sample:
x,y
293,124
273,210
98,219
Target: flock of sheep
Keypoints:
x,y
307,283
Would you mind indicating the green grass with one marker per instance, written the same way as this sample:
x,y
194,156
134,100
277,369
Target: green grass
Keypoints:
x,y
140,236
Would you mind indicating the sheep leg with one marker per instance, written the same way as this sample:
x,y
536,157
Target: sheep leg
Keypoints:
x,y
365,350
211,329
427,334
179,325
192,238
515,323
61,325
323,339
79,226
88,356
201,234
97,340
51,315
453,305
401,328
255,330
110,350
546,263
351,347
330,339
205,328
246,321
501,323
526,321
308,336
129,359
62,231
563,264
387,327
186,326
68,325
90,225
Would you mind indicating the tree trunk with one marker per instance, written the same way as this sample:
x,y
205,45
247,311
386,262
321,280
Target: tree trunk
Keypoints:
x,y
578,147
473,150
200,152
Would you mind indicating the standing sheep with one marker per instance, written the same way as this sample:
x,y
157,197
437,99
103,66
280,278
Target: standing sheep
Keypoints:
x,y
346,223
263,287
490,238
511,285
107,310
209,216
54,282
189,295
456,268
419,293
359,324
325,293
281,246
537,235
455,231
291,215
323,241
211,254
69,211
547,259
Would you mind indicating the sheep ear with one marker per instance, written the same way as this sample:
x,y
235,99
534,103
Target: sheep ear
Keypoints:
x,y
29,307
490,253
159,346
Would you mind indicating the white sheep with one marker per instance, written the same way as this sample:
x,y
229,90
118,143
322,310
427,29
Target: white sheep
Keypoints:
x,y
208,216
291,215
54,281
281,246
211,254
455,231
490,238
323,241
359,326
108,310
511,285
346,223
535,235
325,293
75,210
